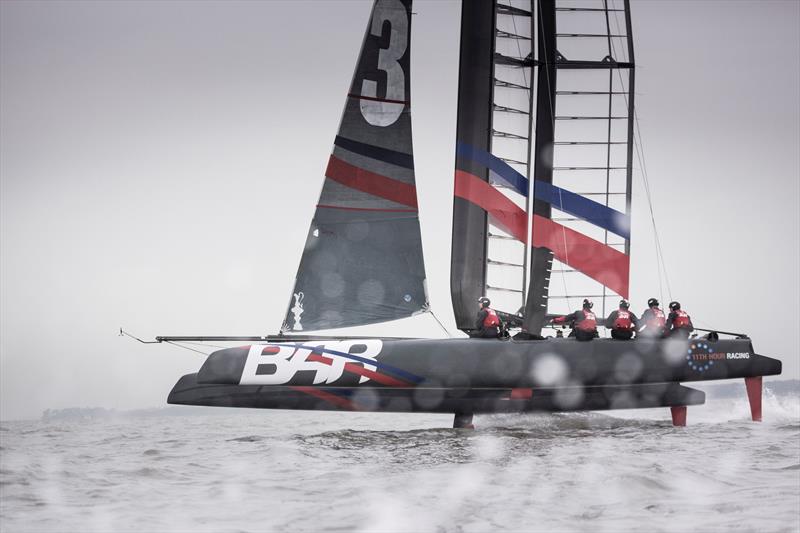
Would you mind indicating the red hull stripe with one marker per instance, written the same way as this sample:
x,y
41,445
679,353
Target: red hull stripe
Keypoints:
x,y
374,99
361,371
367,209
316,358
328,397
374,376
371,183
598,261
521,394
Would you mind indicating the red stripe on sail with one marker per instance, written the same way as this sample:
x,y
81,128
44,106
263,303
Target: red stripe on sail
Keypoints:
x,y
371,183
367,209
593,258
375,99
506,214
598,261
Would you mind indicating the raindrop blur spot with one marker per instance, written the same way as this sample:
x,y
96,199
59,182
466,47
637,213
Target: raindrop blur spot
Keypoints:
x,y
549,370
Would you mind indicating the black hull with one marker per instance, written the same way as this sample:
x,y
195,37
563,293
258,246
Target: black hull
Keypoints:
x,y
467,375
424,400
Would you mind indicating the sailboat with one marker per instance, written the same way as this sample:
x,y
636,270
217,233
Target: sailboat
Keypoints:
x,y
543,170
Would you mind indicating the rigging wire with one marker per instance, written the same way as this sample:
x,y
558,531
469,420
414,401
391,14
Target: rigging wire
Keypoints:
x,y
553,126
527,245
186,347
205,344
436,318
639,149
124,333
519,51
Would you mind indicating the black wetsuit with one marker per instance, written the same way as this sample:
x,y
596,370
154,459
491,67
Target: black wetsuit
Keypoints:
x,y
482,331
574,320
679,324
651,328
621,333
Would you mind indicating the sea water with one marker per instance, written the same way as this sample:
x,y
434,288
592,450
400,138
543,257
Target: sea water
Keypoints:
x,y
189,469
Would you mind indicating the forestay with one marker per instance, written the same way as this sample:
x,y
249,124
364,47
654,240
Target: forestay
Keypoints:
x,y
362,261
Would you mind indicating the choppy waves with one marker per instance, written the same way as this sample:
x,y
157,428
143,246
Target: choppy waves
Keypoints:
x,y
236,470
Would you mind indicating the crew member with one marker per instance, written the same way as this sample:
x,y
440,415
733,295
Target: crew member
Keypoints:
x,y
679,323
488,323
654,320
622,322
583,322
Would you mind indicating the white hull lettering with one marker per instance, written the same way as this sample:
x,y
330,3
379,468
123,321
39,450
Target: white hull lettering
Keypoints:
x,y
277,364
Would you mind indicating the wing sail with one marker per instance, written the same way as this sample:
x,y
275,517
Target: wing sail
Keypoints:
x,y
543,157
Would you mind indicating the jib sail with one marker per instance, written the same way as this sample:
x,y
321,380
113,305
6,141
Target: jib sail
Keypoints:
x,y
362,261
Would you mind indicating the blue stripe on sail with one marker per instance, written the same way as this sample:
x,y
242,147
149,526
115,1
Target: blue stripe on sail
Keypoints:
x,y
511,177
376,152
562,199
583,208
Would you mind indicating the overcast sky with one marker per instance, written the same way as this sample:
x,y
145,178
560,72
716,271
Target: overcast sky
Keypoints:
x,y
160,163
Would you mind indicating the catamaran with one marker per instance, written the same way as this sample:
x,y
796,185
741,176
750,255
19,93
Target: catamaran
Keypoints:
x,y
543,172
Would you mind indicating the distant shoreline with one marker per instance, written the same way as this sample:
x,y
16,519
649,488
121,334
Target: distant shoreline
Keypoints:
x,y
713,391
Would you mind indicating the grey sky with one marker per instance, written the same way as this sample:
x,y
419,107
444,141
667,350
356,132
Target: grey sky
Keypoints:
x,y
160,163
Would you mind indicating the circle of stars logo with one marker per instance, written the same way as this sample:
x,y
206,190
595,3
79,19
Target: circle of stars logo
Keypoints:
x,y
698,348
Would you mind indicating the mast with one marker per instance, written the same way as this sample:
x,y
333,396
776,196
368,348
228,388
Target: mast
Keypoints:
x,y
541,257
474,124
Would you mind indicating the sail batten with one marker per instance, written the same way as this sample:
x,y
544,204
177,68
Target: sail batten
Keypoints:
x,y
362,263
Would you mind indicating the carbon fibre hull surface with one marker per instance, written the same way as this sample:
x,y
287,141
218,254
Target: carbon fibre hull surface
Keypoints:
x,y
433,400
466,375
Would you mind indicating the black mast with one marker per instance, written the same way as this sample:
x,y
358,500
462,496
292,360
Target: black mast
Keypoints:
x,y
474,126
542,258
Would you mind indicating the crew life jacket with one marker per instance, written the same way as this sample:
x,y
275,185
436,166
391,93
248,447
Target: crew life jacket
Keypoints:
x,y
491,320
623,321
589,322
681,319
656,319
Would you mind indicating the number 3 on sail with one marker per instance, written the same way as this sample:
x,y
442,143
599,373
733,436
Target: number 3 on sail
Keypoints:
x,y
385,111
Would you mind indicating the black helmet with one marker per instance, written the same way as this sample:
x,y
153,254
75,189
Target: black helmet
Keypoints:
x,y
587,304
624,304
652,302
484,301
674,306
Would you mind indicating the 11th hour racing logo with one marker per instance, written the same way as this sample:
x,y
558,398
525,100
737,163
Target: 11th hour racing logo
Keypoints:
x,y
701,357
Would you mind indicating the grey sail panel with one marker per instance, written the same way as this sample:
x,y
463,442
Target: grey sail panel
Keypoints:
x,y
362,261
